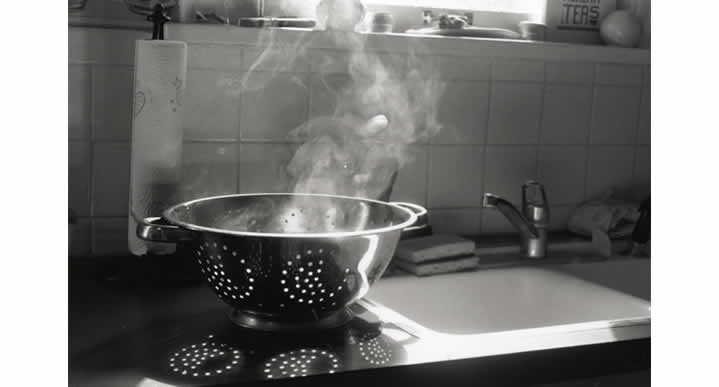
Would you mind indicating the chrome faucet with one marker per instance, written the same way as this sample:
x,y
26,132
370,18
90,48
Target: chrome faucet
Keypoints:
x,y
531,222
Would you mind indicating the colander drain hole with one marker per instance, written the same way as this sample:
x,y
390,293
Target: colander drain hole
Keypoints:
x,y
215,274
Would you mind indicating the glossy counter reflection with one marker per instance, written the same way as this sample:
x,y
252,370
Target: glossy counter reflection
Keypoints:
x,y
212,350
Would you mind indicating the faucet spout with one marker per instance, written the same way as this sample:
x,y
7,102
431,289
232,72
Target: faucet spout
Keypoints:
x,y
531,222
526,229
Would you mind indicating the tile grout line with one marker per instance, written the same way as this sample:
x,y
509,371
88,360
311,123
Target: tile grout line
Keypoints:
x,y
428,166
539,122
428,173
91,159
588,138
636,129
485,145
427,176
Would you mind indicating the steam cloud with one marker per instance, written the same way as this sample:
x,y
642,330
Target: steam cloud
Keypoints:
x,y
384,106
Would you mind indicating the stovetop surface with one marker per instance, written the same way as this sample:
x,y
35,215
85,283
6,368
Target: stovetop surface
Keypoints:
x,y
214,350
149,333
208,349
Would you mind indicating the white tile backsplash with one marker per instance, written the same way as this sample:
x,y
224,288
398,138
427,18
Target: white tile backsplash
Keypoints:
x,y
515,113
103,46
493,222
609,168
322,61
262,167
570,72
463,111
393,64
455,173
465,68
508,167
518,70
615,115
559,217
79,100
329,61
644,136
411,183
275,58
208,169
212,105
562,170
112,91
619,74
110,178
214,56
271,112
462,221
78,179
324,92
567,113
592,121
642,166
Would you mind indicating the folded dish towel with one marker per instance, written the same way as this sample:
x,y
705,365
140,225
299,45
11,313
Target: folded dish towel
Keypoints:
x,y
604,220
439,266
435,254
433,247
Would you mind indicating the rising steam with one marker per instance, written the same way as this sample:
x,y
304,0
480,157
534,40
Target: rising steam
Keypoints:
x,y
381,109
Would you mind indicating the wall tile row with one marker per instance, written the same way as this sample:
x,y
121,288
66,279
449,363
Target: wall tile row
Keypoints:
x,y
570,72
516,111
446,178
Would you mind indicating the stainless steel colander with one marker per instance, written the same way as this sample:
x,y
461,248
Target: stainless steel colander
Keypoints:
x,y
286,261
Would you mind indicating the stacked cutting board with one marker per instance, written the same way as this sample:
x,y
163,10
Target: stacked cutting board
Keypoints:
x,y
436,254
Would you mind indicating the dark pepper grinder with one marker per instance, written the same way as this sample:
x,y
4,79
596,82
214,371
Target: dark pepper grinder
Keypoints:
x,y
158,19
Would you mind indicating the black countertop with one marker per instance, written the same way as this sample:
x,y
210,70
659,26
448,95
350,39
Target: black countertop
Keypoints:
x,y
135,322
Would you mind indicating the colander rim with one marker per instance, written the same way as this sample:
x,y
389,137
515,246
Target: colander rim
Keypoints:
x,y
412,219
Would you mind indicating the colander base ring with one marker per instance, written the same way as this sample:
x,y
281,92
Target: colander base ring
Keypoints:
x,y
263,323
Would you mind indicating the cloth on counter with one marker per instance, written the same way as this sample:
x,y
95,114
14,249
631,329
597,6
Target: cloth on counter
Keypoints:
x,y
603,220
435,254
433,247
439,266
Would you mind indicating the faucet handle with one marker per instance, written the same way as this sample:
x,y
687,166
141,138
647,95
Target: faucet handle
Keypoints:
x,y
534,203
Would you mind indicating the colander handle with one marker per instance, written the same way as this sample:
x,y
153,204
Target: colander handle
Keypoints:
x,y
159,230
421,225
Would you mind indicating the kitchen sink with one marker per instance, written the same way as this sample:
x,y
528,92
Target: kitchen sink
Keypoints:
x,y
630,276
521,298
